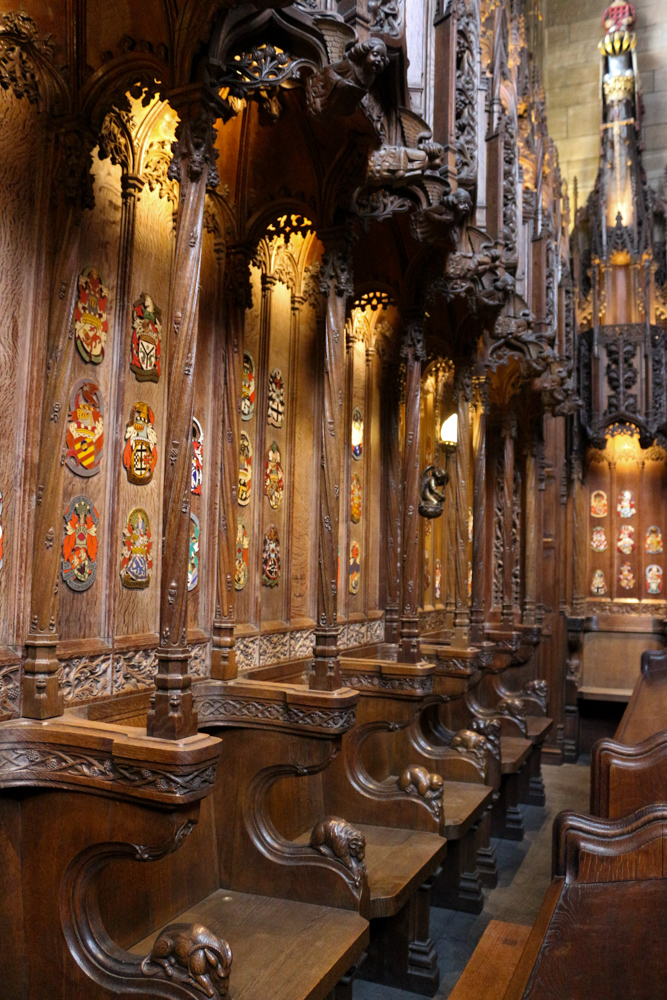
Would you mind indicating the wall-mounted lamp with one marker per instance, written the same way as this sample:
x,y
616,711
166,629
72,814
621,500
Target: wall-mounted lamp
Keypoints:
x,y
449,432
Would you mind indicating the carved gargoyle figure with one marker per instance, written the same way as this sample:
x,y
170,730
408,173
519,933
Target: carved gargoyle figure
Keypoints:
x,y
396,163
339,88
490,730
191,954
432,491
416,780
466,741
336,838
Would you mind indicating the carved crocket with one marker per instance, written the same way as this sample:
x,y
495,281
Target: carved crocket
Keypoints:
x,y
336,838
193,955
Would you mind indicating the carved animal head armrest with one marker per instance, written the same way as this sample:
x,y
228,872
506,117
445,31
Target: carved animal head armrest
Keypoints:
x,y
338,840
490,730
476,744
416,781
512,708
192,955
654,660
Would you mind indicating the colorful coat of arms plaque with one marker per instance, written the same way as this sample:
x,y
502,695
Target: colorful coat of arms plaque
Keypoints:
x,y
136,561
85,429
626,541
2,556
626,503
653,542
654,579
355,568
146,360
140,452
90,316
241,564
193,553
274,480
276,404
248,387
470,524
355,498
357,433
79,562
438,579
197,476
598,583
626,578
271,558
599,540
599,504
245,469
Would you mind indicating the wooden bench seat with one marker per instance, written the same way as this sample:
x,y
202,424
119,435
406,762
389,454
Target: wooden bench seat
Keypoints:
x,y
493,962
281,950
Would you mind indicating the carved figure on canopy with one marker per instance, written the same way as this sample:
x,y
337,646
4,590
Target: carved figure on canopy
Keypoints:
x,y
339,88
432,492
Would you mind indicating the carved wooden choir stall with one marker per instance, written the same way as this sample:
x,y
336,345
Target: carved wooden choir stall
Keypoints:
x,y
292,446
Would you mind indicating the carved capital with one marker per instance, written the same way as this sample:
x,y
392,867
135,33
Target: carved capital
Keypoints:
x,y
194,148
72,173
336,273
412,344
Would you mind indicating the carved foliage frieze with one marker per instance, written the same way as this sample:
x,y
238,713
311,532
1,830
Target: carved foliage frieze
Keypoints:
x,y
85,678
10,691
221,708
134,671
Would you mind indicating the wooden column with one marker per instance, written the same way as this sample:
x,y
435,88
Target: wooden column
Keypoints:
x,y
336,286
42,698
450,544
479,532
461,635
172,715
508,432
539,573
235,298
391,466
412,350
531,540
580,517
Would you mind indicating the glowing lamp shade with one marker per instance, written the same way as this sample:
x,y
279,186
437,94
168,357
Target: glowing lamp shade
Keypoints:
x,y
449,431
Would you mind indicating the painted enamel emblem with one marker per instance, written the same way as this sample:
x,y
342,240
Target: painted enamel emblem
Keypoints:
x,y
140,452
355,568
599,504
197,476
136,561
274,480
438,579
470,524
653,543
79,562
245,469
91,325
355,498
271,558
357,433
598,583
626,577
276,403
248,387
193,553
85,429
241,564
599,540
654,579
626,504
626,541
146,345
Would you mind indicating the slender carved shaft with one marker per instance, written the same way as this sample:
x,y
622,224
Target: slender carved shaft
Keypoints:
x,y
508,508
479,533
236,296
42,698
414,354
461,637
580,540
336,285
392,494
172,715
450,543
533,554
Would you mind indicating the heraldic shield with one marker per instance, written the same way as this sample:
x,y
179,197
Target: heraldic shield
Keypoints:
x,y
193,552
79,562
140,452
91,325
85,429
271,558
197,471
136,561
146,345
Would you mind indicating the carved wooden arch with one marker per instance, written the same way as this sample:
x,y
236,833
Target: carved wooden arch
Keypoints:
x,y
134,72
40,82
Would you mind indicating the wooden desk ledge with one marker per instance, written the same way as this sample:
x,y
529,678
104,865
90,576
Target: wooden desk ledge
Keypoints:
x,y
514,752
281,950
491,967
538,727
371,676
68,752
464,803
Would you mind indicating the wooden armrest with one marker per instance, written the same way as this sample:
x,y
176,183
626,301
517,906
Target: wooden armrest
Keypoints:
x,y
625,778
654,661
587,849
491,967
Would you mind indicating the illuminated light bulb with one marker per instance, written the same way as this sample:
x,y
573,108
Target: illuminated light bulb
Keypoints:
x,y
357,434
449,431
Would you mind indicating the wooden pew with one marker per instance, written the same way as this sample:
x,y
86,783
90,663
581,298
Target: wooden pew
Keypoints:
x,y
106,836
599,931
278,809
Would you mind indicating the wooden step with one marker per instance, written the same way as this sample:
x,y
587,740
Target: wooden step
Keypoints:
x,y
491,967
280,950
